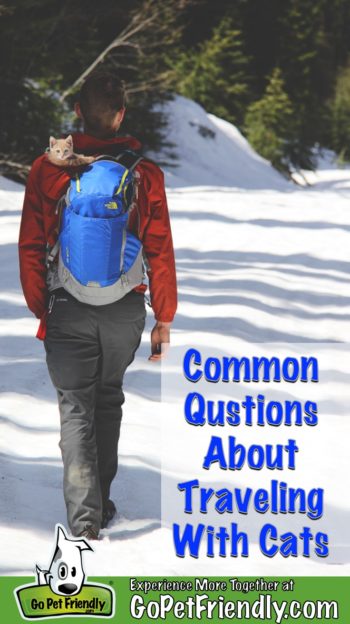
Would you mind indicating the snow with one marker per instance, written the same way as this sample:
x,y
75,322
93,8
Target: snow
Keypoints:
x,y
258,258
213,152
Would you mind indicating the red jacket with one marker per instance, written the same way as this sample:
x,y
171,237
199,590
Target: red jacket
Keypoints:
x,y
150,222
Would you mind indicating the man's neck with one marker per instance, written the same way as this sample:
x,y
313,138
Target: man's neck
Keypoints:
x,y
103,134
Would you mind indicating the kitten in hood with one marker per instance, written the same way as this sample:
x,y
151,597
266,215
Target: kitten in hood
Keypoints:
x,y
61,153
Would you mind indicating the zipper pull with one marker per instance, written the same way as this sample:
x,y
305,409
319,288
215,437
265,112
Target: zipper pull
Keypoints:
x,y
148,301
51,302
124,280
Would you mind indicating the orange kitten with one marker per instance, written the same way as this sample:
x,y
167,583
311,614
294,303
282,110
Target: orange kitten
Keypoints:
x,y
61,153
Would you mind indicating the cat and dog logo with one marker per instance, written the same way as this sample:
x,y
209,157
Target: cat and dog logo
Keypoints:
x,y
61,590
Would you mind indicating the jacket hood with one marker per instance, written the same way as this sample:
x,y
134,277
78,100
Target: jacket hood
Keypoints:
x,y
53,180
90,145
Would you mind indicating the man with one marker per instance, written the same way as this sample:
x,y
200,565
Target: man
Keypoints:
x,y
88,348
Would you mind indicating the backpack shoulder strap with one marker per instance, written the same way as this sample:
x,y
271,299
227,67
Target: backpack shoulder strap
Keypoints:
x,y
127,158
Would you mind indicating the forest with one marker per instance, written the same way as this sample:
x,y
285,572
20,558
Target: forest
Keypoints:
x,y
277,69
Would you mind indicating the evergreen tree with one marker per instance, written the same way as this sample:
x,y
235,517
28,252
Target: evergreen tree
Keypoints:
x,y
269,123
216,53
47,44
340,115
216,74
305,59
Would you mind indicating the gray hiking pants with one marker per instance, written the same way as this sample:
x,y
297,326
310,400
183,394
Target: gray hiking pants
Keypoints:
x,y
88,349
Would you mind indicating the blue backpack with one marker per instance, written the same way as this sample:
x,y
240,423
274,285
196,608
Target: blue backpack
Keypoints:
x,y
99,260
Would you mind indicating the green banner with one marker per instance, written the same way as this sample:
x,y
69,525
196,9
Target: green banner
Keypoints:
x,y
181,599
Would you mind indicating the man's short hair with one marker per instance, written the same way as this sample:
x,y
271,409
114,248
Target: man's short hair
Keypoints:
x,y
101,97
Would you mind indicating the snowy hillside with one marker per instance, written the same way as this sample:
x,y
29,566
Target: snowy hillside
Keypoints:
x,y
212,152
258,258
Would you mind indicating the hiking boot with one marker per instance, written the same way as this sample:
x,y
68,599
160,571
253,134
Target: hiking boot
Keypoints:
x,y
108,514
89,532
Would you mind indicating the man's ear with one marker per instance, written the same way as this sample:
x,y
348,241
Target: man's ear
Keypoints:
x,y
122,114
119,118
77,110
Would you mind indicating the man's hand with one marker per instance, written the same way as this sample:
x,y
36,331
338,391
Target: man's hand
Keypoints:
x,y
160,335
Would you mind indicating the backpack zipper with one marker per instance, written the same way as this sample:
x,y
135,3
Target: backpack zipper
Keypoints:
x,y
123,276
122,181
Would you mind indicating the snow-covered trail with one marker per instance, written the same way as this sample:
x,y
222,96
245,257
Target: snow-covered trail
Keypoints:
x,y
263,264
271,266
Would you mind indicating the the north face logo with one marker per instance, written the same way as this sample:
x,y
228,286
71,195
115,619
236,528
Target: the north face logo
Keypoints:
x,y
112,205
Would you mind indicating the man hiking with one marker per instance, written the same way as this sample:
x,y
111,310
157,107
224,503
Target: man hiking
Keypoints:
x,y
90,343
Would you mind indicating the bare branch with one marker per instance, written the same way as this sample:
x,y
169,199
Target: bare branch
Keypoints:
x,y
10,167
6,10
115,63
137,24
14,165
146,86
